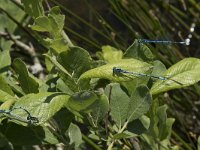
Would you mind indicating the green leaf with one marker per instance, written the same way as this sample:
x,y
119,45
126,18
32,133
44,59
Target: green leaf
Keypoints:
x,y
119,102
57,20
42,105
27,82
139,51
7,104
158,68
33,8
106,71
4,86
38,135
165,124
75,135
160,125
48,63
198,143
153,129
53,23
14,11
162,114
58,65
75,60
5,59
185,73
148,143
63,119
111,54
63,87
65,75
82,101
124,135
139,126
4,96
4,143
100,108
59,45
42,24
165,131
140,102
7,100
12,82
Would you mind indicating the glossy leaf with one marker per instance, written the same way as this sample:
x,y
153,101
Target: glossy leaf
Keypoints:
x,y
7,105
106,71
7,100
4,96
185,73
111,54
41,105
27,82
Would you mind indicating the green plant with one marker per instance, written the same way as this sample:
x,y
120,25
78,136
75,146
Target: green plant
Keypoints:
x,y
80,102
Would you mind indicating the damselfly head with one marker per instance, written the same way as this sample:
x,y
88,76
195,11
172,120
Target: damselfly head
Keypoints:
x,y
117,70
32,119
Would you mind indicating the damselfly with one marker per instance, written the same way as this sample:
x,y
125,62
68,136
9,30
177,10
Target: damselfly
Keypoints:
x,y
29,119
162,41
119,70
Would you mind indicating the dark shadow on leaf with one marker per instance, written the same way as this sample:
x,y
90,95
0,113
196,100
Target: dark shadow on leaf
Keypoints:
x,y
136,127
4,69
21,135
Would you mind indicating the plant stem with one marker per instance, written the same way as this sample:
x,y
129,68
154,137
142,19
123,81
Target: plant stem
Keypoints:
x,y
90,142
65,36
111,145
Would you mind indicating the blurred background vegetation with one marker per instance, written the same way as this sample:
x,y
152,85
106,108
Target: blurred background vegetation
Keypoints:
x,y
91,24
